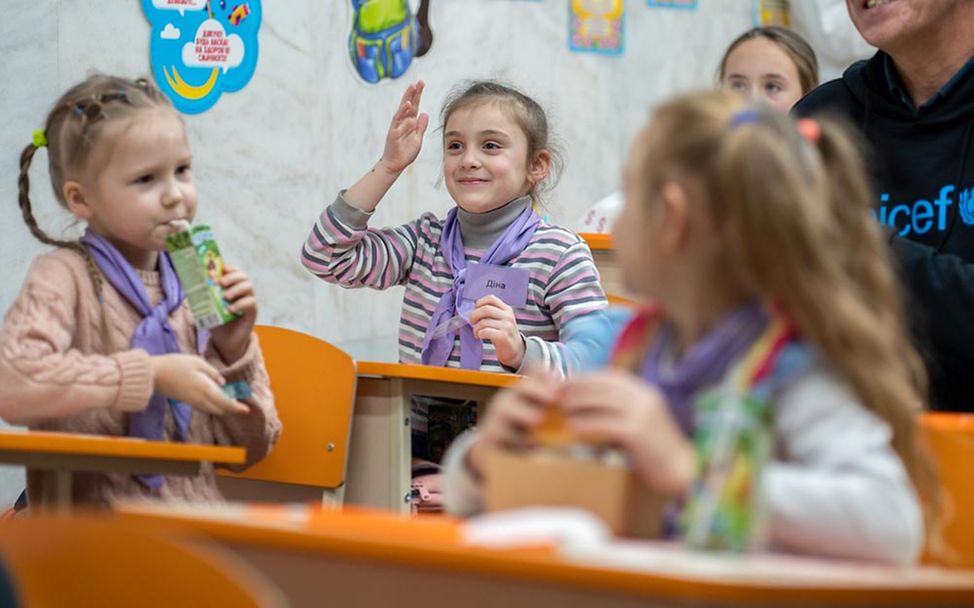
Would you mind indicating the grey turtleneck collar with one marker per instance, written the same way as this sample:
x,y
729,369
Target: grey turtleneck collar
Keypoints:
x,y
480,230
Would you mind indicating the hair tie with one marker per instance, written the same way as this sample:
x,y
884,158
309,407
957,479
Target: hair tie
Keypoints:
x,y
746,116
810,129
40,139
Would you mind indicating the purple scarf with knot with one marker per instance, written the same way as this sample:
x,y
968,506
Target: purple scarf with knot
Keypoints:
x,y
704,364
510,244
154,335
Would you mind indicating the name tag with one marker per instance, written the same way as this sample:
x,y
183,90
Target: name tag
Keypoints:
x,y
510,285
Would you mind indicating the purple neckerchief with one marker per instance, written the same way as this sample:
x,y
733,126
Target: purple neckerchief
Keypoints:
x,y
704,364
509,245
154,335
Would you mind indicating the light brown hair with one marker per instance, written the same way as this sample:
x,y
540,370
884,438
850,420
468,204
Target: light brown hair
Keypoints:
x,y
793,218
797,49
526,112
74,129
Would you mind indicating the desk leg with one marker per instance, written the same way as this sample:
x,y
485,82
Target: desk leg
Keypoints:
x,y
380,447
57,490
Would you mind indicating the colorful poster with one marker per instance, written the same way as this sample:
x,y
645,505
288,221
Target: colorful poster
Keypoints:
x,y
596,26
772,12
386,35
201,49
687,4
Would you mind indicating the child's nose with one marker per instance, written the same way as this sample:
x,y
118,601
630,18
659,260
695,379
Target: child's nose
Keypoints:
x,y
470,159
173,194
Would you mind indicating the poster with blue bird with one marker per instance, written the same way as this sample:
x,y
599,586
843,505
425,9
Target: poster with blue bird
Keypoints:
x,y
201,49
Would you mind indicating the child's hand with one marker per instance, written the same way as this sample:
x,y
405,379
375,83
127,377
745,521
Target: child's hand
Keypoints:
x,y
494,320
617,407
405,137
232,339
191,379
511,415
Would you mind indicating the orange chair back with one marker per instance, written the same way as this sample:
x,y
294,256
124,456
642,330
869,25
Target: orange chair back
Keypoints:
x,y
314,390
57,561
951,439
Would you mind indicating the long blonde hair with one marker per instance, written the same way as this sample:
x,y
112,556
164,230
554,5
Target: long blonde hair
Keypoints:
x,y
793,214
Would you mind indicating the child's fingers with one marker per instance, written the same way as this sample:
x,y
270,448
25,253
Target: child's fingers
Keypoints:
x,y
491,300
407,95
209,372
541,390
243,305
489,311
235,291
493,335
422,122
417,93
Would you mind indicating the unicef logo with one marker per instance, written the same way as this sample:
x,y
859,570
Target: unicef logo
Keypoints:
x,y
966,203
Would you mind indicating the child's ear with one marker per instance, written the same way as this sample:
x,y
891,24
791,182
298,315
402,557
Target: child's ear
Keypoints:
x,y
74,198
540,165
675,216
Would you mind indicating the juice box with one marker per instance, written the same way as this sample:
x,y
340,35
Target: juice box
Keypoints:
x,y
199,265
725,510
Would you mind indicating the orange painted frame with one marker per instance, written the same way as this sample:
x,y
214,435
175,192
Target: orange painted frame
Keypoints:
x,y
382,538
951,439
409,371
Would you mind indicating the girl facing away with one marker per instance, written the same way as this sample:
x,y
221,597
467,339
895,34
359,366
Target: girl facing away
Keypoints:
x,y
769,279
492,287
101,339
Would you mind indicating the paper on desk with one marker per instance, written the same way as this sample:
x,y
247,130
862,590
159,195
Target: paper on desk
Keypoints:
x,y
533,526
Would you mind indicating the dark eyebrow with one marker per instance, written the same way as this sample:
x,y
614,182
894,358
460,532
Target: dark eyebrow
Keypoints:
x,y
484,133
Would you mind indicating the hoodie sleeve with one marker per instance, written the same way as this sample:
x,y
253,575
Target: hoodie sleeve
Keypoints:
x,y
941,288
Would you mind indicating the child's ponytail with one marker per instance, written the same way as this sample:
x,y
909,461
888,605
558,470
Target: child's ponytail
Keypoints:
x,y
791,202
868,260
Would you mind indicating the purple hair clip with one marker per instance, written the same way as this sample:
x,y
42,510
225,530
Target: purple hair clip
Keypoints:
x,y
747,116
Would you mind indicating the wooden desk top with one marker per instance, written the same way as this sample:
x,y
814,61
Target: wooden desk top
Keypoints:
x,y
598,241
434,543
69,444
408,371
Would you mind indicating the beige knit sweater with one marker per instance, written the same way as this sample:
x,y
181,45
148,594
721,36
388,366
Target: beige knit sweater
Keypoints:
x,y
55,375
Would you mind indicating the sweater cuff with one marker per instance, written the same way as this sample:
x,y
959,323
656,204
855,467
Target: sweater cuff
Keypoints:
x,y
351,216
245,368
136,382
534,356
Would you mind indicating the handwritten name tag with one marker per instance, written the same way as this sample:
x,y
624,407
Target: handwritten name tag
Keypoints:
x,y
510,285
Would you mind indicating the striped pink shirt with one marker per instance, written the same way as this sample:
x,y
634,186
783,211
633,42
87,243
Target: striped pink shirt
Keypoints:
x,y
563,288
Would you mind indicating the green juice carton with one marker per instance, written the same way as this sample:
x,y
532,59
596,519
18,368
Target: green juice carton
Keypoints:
x,y
725,510
199,265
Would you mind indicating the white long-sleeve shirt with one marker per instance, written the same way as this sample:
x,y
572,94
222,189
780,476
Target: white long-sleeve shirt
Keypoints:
x,y
835,487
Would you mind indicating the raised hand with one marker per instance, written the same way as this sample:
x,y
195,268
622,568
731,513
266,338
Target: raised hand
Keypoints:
x,y
405,137
191,379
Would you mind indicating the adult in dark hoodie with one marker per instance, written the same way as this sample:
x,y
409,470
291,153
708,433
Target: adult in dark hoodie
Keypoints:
x,y
914,101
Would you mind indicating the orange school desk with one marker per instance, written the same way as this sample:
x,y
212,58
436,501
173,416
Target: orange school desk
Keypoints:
x,y
64,453
369,559
381,445
604,256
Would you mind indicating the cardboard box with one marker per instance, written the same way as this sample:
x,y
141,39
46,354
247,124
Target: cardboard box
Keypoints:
x,y
555,478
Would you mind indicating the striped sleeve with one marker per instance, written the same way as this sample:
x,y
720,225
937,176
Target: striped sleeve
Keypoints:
x,y
574,298
342,249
